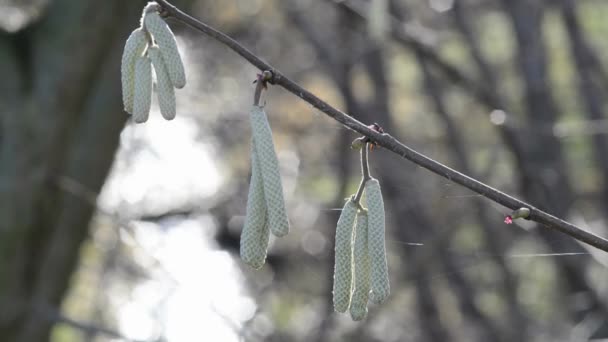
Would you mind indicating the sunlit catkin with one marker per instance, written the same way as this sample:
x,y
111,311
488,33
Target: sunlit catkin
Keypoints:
x,y
269,166
255,234
143,89
165,39
134,47
343,264
377,252
164,87
358,304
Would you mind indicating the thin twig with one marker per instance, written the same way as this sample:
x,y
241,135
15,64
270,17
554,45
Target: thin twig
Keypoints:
x,y
386,140
260,85
365,162
364,173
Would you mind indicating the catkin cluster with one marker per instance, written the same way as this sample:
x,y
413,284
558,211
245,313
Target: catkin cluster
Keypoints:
x,y
360,269
265,205
151,45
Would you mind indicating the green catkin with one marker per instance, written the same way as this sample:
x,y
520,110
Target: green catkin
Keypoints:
x,y
134,48
343,264
164,87
143,89
165,39
255,234
269,166
358,304
377,251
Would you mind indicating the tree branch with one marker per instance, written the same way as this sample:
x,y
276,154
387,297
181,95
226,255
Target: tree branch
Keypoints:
x,y
386,140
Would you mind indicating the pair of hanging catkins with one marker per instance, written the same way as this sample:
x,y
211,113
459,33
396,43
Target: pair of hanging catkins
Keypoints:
x,y
360,269
152,44
265,205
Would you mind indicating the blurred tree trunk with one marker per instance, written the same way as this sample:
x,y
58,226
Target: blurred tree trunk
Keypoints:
x,y
61,119
547,172
589,86
545,181
495,240
465,25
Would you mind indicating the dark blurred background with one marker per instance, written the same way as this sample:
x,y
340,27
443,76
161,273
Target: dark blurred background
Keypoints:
x,y
111,231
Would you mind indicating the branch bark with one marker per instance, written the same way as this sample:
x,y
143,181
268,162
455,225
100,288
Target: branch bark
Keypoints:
x,y
387,141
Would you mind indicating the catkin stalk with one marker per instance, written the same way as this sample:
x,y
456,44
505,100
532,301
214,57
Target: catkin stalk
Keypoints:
x,y
377,251
343,265
134,47
255,234
269,166
143,89
164,87
358,305
165,39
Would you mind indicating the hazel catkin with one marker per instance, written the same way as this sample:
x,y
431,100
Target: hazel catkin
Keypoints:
x,y
164,87
164,38
142,95
134,48
377,251
358,305
343,263
255,234
269,167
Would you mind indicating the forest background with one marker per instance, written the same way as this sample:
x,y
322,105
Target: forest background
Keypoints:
x,y
115,231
